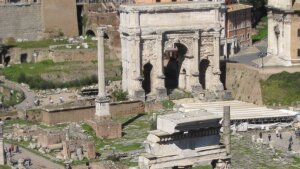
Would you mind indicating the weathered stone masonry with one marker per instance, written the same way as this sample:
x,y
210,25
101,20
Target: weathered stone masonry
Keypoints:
x,y
150,33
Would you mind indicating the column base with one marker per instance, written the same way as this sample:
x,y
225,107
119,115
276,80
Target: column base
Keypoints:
x,y
161,93
102,106
105,127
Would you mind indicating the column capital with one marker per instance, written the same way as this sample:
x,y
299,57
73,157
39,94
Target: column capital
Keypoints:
x,y
101,30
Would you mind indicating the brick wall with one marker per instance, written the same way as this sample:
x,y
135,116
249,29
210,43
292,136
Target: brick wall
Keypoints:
x,y
21,21
60,15
87,112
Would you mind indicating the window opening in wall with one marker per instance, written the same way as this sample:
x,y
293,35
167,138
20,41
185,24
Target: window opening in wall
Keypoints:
x,y
298,32
158,1
298,52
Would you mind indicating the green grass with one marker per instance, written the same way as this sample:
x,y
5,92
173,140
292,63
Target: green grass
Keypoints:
x,y
31,73
262,33
135,134
4,167
281,88
11,100
36,44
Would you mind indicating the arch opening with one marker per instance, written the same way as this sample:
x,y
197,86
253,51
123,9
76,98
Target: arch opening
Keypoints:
x,y
90,33
175,56
146,84
204,64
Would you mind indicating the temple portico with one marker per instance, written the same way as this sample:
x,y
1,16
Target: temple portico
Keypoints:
x,y
160,54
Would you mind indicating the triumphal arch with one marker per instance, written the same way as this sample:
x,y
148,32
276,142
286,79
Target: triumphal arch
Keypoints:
x,y
171,45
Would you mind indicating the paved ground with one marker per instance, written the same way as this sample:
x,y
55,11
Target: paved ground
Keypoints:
x,y
37,161
249,54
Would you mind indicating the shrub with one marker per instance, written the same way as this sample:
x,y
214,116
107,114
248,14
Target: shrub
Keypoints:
x,y
119,95
168,104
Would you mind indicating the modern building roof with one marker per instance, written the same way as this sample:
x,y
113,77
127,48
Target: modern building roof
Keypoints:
x,y
239,110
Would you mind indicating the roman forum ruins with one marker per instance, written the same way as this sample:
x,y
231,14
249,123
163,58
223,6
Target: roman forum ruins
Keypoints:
x,y
160,53
103,125
283,32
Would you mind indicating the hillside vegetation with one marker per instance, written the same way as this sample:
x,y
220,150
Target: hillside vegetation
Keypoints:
x,y
283,88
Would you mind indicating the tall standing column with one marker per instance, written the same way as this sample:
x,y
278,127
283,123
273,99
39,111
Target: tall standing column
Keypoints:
x,y
161,91
102,102
101,78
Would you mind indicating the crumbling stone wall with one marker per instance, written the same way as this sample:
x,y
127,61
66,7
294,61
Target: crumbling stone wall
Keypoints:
x,y
244,82
60,55
112,21
21,21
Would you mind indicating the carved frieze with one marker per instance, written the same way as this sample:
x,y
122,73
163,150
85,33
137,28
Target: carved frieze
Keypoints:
x,y
148,51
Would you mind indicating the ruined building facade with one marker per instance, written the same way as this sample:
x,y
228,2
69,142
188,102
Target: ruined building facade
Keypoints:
x,y
37,19
172,45
283,33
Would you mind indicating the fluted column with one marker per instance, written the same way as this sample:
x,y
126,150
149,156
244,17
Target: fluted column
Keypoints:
x,y
216,59
161,91
216,83
135,45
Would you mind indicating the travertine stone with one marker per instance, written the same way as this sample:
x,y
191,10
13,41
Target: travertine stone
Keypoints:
x,y
147,32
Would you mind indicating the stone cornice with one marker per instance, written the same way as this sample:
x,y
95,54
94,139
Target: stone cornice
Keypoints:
x,y
280,9
169,7
161,30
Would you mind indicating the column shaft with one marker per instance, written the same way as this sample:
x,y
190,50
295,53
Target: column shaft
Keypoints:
x,y
217,52
101,78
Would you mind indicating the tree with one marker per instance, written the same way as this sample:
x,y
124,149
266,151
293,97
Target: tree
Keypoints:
x,y
259,9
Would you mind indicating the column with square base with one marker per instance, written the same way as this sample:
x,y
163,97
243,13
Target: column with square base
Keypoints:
x,y
102,123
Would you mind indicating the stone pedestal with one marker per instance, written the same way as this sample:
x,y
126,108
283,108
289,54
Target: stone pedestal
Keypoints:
x,y
139,94
161,93
102,106
105,127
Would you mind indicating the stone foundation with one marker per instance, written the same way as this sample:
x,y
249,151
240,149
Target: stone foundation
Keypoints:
x,y
105,127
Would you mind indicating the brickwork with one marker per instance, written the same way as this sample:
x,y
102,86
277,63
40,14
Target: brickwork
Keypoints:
x,y
60,16
106,128
34,21
87,112
61,55
22,21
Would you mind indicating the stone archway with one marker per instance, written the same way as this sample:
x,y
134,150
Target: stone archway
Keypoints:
x,y
204,64
172,70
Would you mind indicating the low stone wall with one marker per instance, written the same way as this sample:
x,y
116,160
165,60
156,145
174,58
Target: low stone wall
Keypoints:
x,y
60,55
76,114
